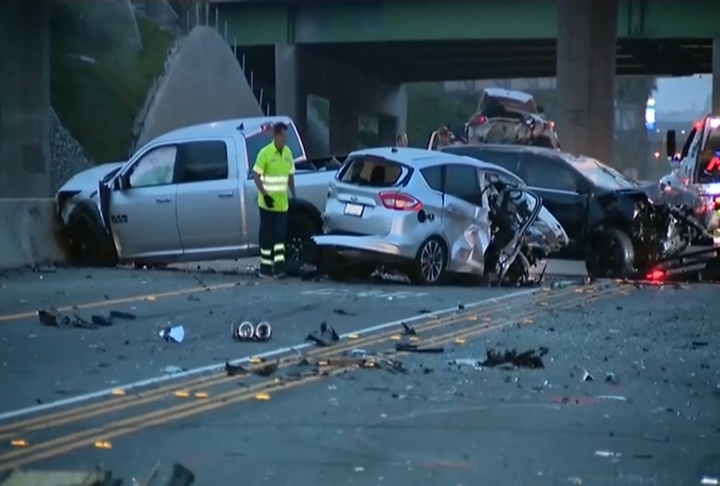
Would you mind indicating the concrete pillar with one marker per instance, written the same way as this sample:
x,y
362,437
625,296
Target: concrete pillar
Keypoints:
x,y
387,130
291,90
344,128
587,34
716,78
24,98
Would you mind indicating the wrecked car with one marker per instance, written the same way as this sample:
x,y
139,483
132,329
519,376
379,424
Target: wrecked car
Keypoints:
x,y
512,117
610,219
430,215
186,196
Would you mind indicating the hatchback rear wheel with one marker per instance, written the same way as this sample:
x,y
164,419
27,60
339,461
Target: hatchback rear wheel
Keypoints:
x,y
430,262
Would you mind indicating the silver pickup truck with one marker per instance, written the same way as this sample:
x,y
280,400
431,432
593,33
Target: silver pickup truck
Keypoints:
x,y
186,196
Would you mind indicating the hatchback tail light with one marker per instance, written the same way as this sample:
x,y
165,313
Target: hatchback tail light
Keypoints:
x,y
400,202
478,119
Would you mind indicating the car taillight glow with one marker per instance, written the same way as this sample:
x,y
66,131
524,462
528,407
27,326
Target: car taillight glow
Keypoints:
x,y
478,120
400,202
656,275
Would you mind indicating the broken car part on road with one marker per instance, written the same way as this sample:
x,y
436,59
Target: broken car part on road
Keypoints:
x,y
221,390
246,331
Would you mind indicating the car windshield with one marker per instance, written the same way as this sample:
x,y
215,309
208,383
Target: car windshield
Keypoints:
x,y
600,174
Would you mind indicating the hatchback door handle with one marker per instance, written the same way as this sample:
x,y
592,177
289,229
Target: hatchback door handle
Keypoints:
x,y
162,200
226,194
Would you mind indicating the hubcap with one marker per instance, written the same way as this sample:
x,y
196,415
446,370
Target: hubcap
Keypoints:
x,y
431,261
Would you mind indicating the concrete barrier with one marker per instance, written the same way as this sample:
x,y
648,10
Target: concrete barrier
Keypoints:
x,y
27,233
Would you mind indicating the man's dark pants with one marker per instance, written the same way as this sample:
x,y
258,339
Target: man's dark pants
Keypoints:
x,y
273,231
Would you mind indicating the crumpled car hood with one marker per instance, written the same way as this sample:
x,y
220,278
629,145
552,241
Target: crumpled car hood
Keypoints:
x,y
88,179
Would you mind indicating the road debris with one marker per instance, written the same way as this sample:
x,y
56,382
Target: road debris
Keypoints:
x,y
414,348
116,314
587,376
607,454
100,320
343,312
463,362
234,370
324,337
408,330
174,334
171,369
268,369
246,331
527,359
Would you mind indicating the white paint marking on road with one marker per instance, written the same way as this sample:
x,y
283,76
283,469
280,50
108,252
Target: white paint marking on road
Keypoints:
x,y
378,294
268,354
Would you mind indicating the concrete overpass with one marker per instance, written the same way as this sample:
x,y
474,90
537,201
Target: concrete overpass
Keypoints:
x,y
584,42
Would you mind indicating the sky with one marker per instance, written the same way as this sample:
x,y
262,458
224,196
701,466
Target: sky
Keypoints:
x,y
683,94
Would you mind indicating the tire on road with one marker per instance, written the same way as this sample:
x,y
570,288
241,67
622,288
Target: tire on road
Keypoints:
x,y
432,252
610,254
301,227
89,244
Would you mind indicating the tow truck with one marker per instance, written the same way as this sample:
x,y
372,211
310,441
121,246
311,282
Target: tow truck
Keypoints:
x,y
695,177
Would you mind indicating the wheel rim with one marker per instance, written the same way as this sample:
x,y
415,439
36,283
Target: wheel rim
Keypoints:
x,y
295,249
431,261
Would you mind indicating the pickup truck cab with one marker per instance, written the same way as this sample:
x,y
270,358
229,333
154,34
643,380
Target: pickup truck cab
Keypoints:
x,y
188,195
695,176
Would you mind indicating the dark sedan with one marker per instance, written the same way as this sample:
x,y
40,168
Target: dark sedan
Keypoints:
x,y
608,217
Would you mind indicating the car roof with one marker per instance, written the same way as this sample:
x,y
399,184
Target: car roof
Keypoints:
x,y
222,128
503,147
422,158
509,93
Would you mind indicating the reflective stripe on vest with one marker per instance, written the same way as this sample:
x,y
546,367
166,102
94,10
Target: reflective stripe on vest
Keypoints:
x,y
274,183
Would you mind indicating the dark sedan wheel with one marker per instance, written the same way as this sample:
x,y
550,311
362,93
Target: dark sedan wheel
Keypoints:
x,y
89,243
430,263
610,254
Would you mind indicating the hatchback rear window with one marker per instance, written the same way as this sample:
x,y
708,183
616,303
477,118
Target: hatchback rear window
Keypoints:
x,y
372,171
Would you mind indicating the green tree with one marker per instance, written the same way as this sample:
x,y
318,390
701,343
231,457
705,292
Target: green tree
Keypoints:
x,y
430,106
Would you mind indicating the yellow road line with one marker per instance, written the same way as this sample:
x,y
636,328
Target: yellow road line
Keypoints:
x,y
79,439
123,300
75,414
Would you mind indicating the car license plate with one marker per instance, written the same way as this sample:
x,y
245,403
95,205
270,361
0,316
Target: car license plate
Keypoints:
x,y
354,209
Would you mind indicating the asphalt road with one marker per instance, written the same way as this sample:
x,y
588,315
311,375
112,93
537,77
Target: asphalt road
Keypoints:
x,y
650,415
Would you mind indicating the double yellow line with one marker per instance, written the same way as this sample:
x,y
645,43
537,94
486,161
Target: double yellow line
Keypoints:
x,y
69,442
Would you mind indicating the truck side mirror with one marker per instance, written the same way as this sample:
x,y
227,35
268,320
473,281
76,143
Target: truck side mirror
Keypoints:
x,y
671,144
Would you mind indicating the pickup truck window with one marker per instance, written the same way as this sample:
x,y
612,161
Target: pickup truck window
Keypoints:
x,y
547,173
202,161
507,159
155,168
257,141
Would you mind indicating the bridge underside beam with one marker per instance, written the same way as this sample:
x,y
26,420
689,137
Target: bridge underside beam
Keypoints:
x,y
24,98
586,76
716,77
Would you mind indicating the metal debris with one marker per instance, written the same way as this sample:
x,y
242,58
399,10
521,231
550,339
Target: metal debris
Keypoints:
x,y
408,330
526,359
234,370
413,348
324,337
246,331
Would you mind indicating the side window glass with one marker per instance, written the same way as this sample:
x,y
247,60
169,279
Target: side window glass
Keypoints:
x,y
688,143
546,173
461,181
492,177
433,177
507,160
155,168
202,161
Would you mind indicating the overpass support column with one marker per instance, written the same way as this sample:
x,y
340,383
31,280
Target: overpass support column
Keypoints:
x,y
716,78
291,90
24,98
344,127
587,35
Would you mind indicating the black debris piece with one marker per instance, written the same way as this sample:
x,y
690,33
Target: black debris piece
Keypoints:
x,y
100,320
181,476
611,379
115,314
267,369
324,337
412,348
526,359
461,306
394,365
48,318
699,344
78,322
343,312
424,311
408,330
234,370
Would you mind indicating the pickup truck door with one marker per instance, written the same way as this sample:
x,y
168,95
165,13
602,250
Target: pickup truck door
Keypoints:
x,y
141,210
560,190
209,198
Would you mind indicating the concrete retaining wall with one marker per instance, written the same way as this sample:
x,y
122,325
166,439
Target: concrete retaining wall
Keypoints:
x,y
204,83
27,233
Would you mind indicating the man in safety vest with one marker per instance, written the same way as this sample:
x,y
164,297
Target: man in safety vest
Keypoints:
x,y
273,175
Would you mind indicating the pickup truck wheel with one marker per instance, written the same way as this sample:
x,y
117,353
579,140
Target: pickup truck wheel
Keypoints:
x,y
89,243
430,263
610,254
301,228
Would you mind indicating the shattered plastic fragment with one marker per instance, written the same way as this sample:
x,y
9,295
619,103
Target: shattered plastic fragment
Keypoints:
x,y
175,334
607,454
19,443
587,376
103,444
